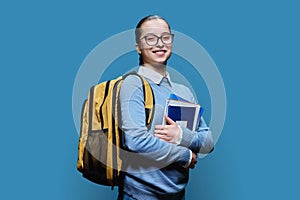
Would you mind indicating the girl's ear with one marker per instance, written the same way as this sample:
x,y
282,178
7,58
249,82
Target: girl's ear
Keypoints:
x,y
138,49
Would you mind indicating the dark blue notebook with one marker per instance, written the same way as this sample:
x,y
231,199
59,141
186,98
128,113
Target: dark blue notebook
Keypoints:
x,y
182,111
182,115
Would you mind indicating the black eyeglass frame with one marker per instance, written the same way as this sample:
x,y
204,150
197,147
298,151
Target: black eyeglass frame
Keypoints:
x,y
159,38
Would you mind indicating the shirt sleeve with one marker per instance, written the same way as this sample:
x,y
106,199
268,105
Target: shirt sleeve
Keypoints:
x,y
137,137
201,140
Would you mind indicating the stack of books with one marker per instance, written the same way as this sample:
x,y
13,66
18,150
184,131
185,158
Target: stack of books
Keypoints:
x,y
184,113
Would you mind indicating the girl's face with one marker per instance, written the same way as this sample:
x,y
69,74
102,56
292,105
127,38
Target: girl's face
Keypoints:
x,y
155,44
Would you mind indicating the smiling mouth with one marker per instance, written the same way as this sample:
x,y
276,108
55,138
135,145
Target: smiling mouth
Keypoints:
x,y
160,51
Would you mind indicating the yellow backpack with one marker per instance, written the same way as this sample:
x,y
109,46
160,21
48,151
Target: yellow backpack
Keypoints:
x,y
99,156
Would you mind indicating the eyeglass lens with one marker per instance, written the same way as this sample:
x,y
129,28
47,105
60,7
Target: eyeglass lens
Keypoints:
x,y
153,39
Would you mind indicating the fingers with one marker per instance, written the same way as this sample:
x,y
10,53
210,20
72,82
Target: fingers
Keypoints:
x,y
165,127
160,131
162,137
169,133
159,127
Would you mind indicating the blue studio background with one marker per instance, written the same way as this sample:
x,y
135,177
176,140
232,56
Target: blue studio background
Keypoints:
x,y
255,45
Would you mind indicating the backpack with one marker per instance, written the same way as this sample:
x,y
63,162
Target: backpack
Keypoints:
x,y
101,138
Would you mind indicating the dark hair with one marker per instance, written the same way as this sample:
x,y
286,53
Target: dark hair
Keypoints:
x,y
138,30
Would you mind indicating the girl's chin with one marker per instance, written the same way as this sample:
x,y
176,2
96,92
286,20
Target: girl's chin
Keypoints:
x,y
159,63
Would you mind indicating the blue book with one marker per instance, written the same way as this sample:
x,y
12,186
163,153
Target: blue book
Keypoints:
x,y
183,116
183,112
178,98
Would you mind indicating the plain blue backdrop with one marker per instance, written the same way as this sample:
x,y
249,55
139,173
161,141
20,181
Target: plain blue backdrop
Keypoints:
x,y
255,45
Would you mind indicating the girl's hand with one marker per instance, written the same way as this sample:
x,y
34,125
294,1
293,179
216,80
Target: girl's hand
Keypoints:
x,y
171,133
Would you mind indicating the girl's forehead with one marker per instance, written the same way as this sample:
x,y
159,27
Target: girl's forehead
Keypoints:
x,y
155,26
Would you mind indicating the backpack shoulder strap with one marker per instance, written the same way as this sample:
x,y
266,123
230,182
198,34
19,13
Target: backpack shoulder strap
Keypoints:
x,y
148,98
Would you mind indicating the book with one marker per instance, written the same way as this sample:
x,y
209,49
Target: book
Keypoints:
x,y
184,113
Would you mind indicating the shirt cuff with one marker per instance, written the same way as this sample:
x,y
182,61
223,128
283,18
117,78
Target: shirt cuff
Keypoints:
x,y
178,140
190,160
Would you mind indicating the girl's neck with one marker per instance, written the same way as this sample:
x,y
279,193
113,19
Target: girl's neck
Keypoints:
x,y
158,67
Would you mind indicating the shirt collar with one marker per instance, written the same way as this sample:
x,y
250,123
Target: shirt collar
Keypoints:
x,y
153,75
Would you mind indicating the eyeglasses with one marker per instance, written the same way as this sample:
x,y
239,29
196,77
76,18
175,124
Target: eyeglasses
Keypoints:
x,y
152,39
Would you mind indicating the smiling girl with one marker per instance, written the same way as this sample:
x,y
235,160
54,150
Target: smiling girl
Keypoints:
x,y
160,159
